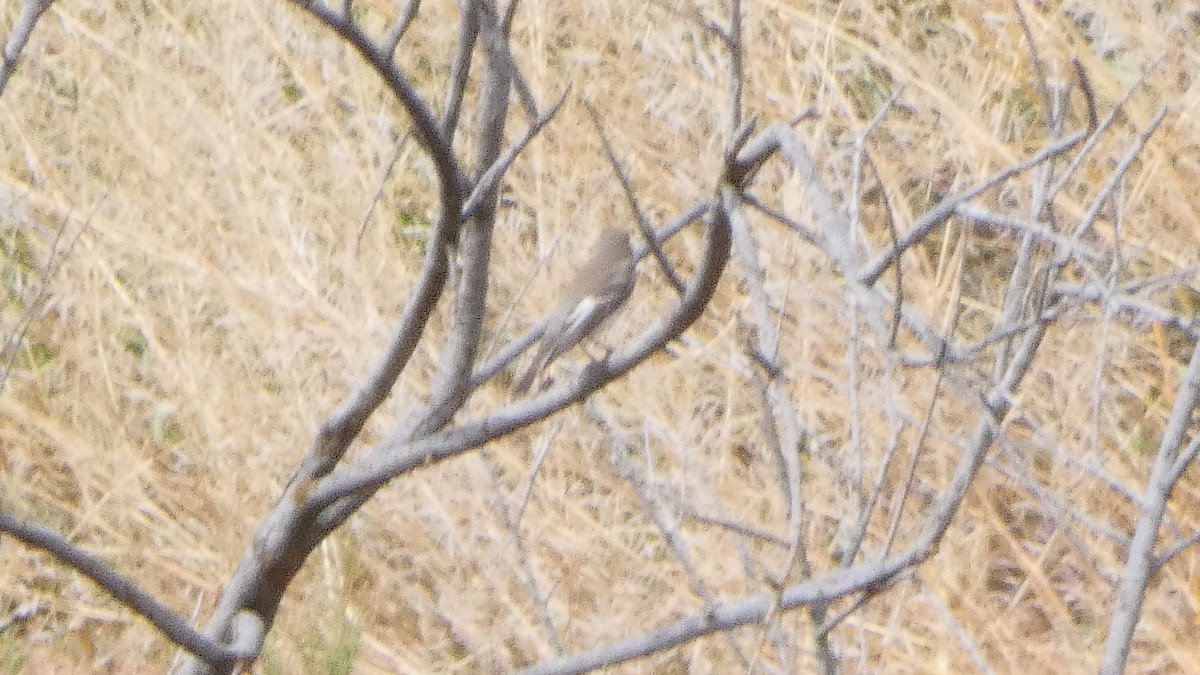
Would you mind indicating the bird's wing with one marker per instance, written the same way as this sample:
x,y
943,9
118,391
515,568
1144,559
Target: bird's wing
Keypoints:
x,y
580,315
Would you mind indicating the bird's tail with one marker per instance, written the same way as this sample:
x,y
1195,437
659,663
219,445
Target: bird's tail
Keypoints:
x,y
539,362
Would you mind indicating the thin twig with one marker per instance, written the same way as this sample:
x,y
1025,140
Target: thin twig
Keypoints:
x,y
487,182
739,528
627,185
374,201
870,273
736,66
668,526
460,69
54,259
512,525
1131,154
1096,133
1039,67
398,29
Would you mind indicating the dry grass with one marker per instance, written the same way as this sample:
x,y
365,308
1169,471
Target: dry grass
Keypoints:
x,y
219,302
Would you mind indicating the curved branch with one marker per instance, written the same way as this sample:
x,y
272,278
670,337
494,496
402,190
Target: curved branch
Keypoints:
x,y
124,591
398,455
343,426
427,130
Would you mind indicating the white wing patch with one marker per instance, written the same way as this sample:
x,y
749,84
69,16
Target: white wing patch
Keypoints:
x,y
580,314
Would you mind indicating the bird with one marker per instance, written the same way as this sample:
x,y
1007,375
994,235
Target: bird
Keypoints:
x,y
599,288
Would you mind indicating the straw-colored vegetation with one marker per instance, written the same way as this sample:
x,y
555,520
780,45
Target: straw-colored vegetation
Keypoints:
x,y
226,282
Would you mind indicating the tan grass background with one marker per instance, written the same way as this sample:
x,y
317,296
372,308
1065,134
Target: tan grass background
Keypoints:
x,y
225,292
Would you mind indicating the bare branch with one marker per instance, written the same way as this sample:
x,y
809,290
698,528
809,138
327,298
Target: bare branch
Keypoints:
x,y
31,11
512,525
460,70
748,611
1171,553
809,236
371,204
287,535
510,12
1089,96
1136,311
14,342
778,410
668,526
450,386
737,75
982,216
344,424
1185,459
123,590
1139,563
425,125
1039,67
739,528
836,237
1057,509
934,597
1098,131
398,29
874,542
1134,151
488,181
504,59
893,239
937,215
835,584
918,446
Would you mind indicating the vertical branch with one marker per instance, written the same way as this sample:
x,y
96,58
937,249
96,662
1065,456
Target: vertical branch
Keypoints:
x,y
450,388
766,353
854,348
468,33
1039,68
783,429
1139,564
511,518
1016,303
736,66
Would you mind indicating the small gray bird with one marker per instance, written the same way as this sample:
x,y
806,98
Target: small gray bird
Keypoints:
x,y
594,295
